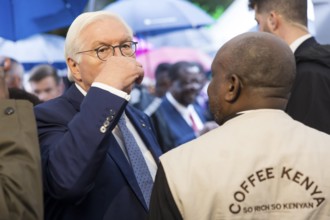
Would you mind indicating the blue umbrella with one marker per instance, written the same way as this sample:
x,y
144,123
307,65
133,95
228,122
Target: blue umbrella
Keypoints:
x,y
22,18
149,17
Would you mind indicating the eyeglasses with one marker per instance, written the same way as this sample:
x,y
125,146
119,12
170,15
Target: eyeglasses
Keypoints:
x,y
127,49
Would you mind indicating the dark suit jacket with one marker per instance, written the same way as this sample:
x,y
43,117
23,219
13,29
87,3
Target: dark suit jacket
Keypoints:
x,y
177,130
86,175
310,98
20,168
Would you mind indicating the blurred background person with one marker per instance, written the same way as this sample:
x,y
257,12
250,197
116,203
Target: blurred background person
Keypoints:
x,y
45,82
141,97
202,98
183,116
162,80
149,103
14,75
14,81
148,100
20,167
162,83
310,95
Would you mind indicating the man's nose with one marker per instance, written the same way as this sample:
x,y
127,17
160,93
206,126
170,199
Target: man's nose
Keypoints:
x,y
116,51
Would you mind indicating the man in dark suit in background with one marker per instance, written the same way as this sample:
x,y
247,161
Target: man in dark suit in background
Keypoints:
x,y
183,116
88,168
310,94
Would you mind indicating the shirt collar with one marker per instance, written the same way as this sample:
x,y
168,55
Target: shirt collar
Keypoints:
x,y
295,44
81,89
181,108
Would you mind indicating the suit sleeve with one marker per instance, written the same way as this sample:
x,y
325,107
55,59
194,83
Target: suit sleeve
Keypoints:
x,y
74,143
20,167
162,204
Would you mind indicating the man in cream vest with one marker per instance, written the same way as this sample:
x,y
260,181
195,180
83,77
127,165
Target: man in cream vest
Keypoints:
x,y
260,163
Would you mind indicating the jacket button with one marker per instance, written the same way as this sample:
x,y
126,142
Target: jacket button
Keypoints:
x,y
112,112
103,129
9,111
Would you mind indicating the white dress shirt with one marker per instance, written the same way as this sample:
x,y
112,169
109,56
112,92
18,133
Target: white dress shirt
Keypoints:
x,y
295,44
186,111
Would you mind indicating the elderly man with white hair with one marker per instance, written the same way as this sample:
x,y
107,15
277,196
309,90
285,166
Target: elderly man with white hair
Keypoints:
x,y
99,154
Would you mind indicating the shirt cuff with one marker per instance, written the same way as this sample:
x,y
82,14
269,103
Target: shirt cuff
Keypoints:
x,y
114,91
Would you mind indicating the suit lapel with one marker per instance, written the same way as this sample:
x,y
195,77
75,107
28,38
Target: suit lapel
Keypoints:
x,y
75,97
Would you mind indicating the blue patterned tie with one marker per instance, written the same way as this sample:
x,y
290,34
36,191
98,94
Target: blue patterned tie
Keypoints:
x,y
137,160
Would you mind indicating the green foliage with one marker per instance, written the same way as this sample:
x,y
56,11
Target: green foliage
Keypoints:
x,y
218,12
214,7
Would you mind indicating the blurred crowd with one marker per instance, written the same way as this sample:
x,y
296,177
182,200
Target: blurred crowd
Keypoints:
x,y
43,81
181,86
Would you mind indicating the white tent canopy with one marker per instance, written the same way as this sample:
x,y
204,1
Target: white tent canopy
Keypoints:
x,y
37,48
34,50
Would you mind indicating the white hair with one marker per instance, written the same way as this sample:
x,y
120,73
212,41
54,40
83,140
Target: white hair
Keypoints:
x,y
73,43
16,68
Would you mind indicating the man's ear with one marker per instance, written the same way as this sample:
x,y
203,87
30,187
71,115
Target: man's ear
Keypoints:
x,y
74,69
233,88
273,21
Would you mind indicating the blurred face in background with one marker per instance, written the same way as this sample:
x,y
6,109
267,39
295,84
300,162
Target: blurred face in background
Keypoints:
x,y
163,83
46,88
262,19
186,88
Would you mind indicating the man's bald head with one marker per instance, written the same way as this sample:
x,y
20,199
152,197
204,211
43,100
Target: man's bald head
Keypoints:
x,y
261,60
256,70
